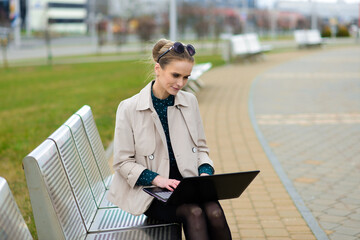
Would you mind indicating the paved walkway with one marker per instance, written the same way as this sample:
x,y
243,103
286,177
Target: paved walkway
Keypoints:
x,y
266,210
308,112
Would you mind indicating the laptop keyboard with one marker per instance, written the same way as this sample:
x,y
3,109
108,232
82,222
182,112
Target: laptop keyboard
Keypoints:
x,y
164,195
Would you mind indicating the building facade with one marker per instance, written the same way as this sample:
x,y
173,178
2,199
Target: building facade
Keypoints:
x,y
68,16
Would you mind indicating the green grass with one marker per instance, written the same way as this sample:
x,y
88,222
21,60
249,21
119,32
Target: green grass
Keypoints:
x,y
35,101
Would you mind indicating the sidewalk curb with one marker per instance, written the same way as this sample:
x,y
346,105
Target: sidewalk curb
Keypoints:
x,y
299,203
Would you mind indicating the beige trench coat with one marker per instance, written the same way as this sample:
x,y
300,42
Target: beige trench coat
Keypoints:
x,y
140,143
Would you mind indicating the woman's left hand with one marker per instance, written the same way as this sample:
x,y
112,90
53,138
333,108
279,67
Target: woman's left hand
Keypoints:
x,y
163,182
204,174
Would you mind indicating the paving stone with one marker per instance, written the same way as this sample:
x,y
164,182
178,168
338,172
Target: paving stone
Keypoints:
x,y
276,232
263,204
302,236
331,218
318,207
251,238
294,222
244,212
272,224
329,225
250,226
350,200
278,238
339,236
347,230
337,212
242,219
297,229
355,216
252,233
351,223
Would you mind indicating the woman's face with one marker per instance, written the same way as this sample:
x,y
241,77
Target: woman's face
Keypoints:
x,y
172,78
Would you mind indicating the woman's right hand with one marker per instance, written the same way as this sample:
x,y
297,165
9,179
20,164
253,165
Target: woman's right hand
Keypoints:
x,y
162,182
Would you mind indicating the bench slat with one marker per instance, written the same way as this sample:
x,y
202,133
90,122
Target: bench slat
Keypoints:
x,y
110,219
91,168
75,173
153,233
97,147
12,224
54,206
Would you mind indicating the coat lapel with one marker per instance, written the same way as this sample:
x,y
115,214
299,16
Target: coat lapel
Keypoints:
x,y
180,112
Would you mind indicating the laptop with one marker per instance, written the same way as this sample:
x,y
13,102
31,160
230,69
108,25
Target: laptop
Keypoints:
x,y
202,189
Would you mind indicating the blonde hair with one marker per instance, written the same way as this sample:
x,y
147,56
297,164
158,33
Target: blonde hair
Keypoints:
x,y
162,46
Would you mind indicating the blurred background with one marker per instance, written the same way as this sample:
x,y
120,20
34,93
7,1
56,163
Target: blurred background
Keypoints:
x,y
58,55
95,23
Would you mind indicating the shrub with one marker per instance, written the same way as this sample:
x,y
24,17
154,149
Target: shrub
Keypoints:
x,y
342,31
326,32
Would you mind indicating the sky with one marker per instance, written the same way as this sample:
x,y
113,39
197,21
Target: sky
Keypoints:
x,y
269,3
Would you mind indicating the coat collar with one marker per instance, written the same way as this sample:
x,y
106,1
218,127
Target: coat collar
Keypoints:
x,y
145,102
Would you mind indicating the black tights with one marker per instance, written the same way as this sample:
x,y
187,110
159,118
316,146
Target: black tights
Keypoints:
x,y
202,222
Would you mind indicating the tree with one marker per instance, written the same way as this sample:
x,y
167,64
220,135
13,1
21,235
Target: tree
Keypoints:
x,y
235,24
4,44
101,28
4,32
146,28
186,16
201,26
218,28
120,31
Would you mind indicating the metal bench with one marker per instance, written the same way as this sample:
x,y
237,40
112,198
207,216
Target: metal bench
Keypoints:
x,y
254,45
308,38
197,71
69,211
238,47
67,186
246,47
195,83
12,224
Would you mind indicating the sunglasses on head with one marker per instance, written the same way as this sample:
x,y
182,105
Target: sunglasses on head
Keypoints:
x,y
179,48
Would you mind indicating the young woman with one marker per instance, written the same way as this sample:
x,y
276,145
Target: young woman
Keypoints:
x,y
159,139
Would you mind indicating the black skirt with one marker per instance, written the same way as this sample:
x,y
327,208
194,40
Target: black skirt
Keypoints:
x,y
165,212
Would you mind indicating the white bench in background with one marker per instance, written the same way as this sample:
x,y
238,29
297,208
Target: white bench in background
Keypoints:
x,y
195,83
67,189
238,47
246,46
308,38
12,224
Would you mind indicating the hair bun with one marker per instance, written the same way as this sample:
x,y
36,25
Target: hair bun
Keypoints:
x,y
157,50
